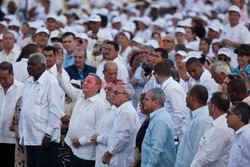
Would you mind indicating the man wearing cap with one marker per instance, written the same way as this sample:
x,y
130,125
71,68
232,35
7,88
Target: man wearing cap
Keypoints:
x,y
96,33
169,45
51,22
224,54
234,34
10,52
42,37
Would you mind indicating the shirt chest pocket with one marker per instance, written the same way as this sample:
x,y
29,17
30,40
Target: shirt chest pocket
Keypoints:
x,y
41,97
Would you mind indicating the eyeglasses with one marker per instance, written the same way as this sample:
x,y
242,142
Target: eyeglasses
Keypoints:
x,y
118,93
169,41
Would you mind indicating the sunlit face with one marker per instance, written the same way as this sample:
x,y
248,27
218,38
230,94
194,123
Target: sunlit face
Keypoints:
x,y
122,40
178,59
148,103
90,85
224,85
69,43
180,38
204,47
190,36
168,43
42,39
79,59
110,53
243,60
232,118
119,95
50,58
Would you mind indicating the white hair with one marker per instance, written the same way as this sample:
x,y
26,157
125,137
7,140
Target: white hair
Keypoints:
x,y
128,89
221,67
40,57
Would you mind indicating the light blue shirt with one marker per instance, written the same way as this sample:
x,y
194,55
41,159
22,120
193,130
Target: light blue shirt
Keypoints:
x,y
240,152
189,144
158,148
68,60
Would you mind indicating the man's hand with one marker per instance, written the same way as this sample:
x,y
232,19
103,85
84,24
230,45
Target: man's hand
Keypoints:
x,y
75,142
106,158
59,60
230,43
94,139
46,143
65,119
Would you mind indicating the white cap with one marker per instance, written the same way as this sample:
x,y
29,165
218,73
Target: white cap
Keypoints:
x,y
215,27
54,34
82,36
145,20
116,19
127,35
14,33
181,53
33,25
138,40
193,46
159,22
129,26
3,23
52,16
224,51
95,18
178,16
192,54
153,43
180,30
234,8
15,23
62,19
42,29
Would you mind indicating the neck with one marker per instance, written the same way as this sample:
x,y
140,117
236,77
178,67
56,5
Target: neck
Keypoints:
x,y
244,65
90,94
70,52
8,50
196,106
238,126
80,68
163,79
217,115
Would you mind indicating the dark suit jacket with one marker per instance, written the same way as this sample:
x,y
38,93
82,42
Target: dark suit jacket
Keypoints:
x,y
74,73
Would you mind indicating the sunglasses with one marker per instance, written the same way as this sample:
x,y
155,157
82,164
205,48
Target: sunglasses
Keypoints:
x,y
169,41
222,59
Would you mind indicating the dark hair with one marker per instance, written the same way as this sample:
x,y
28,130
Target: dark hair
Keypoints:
x,y
169,62
115,44
98,80
238,85
200,93
180,47
133,56
68,34
104,20
6,66
162,68
27,51
49,48
221,101
164,53
155,32
243,109
193,60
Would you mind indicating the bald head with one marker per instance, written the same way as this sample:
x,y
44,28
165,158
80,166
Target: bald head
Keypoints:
x,y
110,71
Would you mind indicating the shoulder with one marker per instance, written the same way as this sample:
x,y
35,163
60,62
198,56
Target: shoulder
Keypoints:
x,y
91,68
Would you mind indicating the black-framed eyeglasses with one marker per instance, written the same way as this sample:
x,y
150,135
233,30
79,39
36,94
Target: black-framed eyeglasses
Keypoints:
x,y
169,41
222,59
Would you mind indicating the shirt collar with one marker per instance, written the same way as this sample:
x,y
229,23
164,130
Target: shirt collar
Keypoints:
x,y
53,69
41,79
156,112
218,121
15,84
199,110
24,60
167,82
121,107
242,129
205,75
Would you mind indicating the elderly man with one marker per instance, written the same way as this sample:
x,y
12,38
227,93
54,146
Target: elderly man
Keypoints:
x,y
238,119
158,147
237,90
80,70
10,92
39,124
234,33
111,54
169,45
219,71
42,37
85,118
175,96
103,131
10,52
196,100
126,124
217,141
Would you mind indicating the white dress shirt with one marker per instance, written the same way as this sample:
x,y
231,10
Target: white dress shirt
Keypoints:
x,y
122,70
205,80
121,142
20,70
175,104
40,111
7,109
215,145
240,152
103,131
85,119
11,57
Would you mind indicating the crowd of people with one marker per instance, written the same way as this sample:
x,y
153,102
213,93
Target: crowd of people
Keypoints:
x,y
125,83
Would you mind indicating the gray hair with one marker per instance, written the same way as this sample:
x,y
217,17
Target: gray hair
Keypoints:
x,y
221,67
78,49
158,94
57,45
40,57
108,63
128,89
